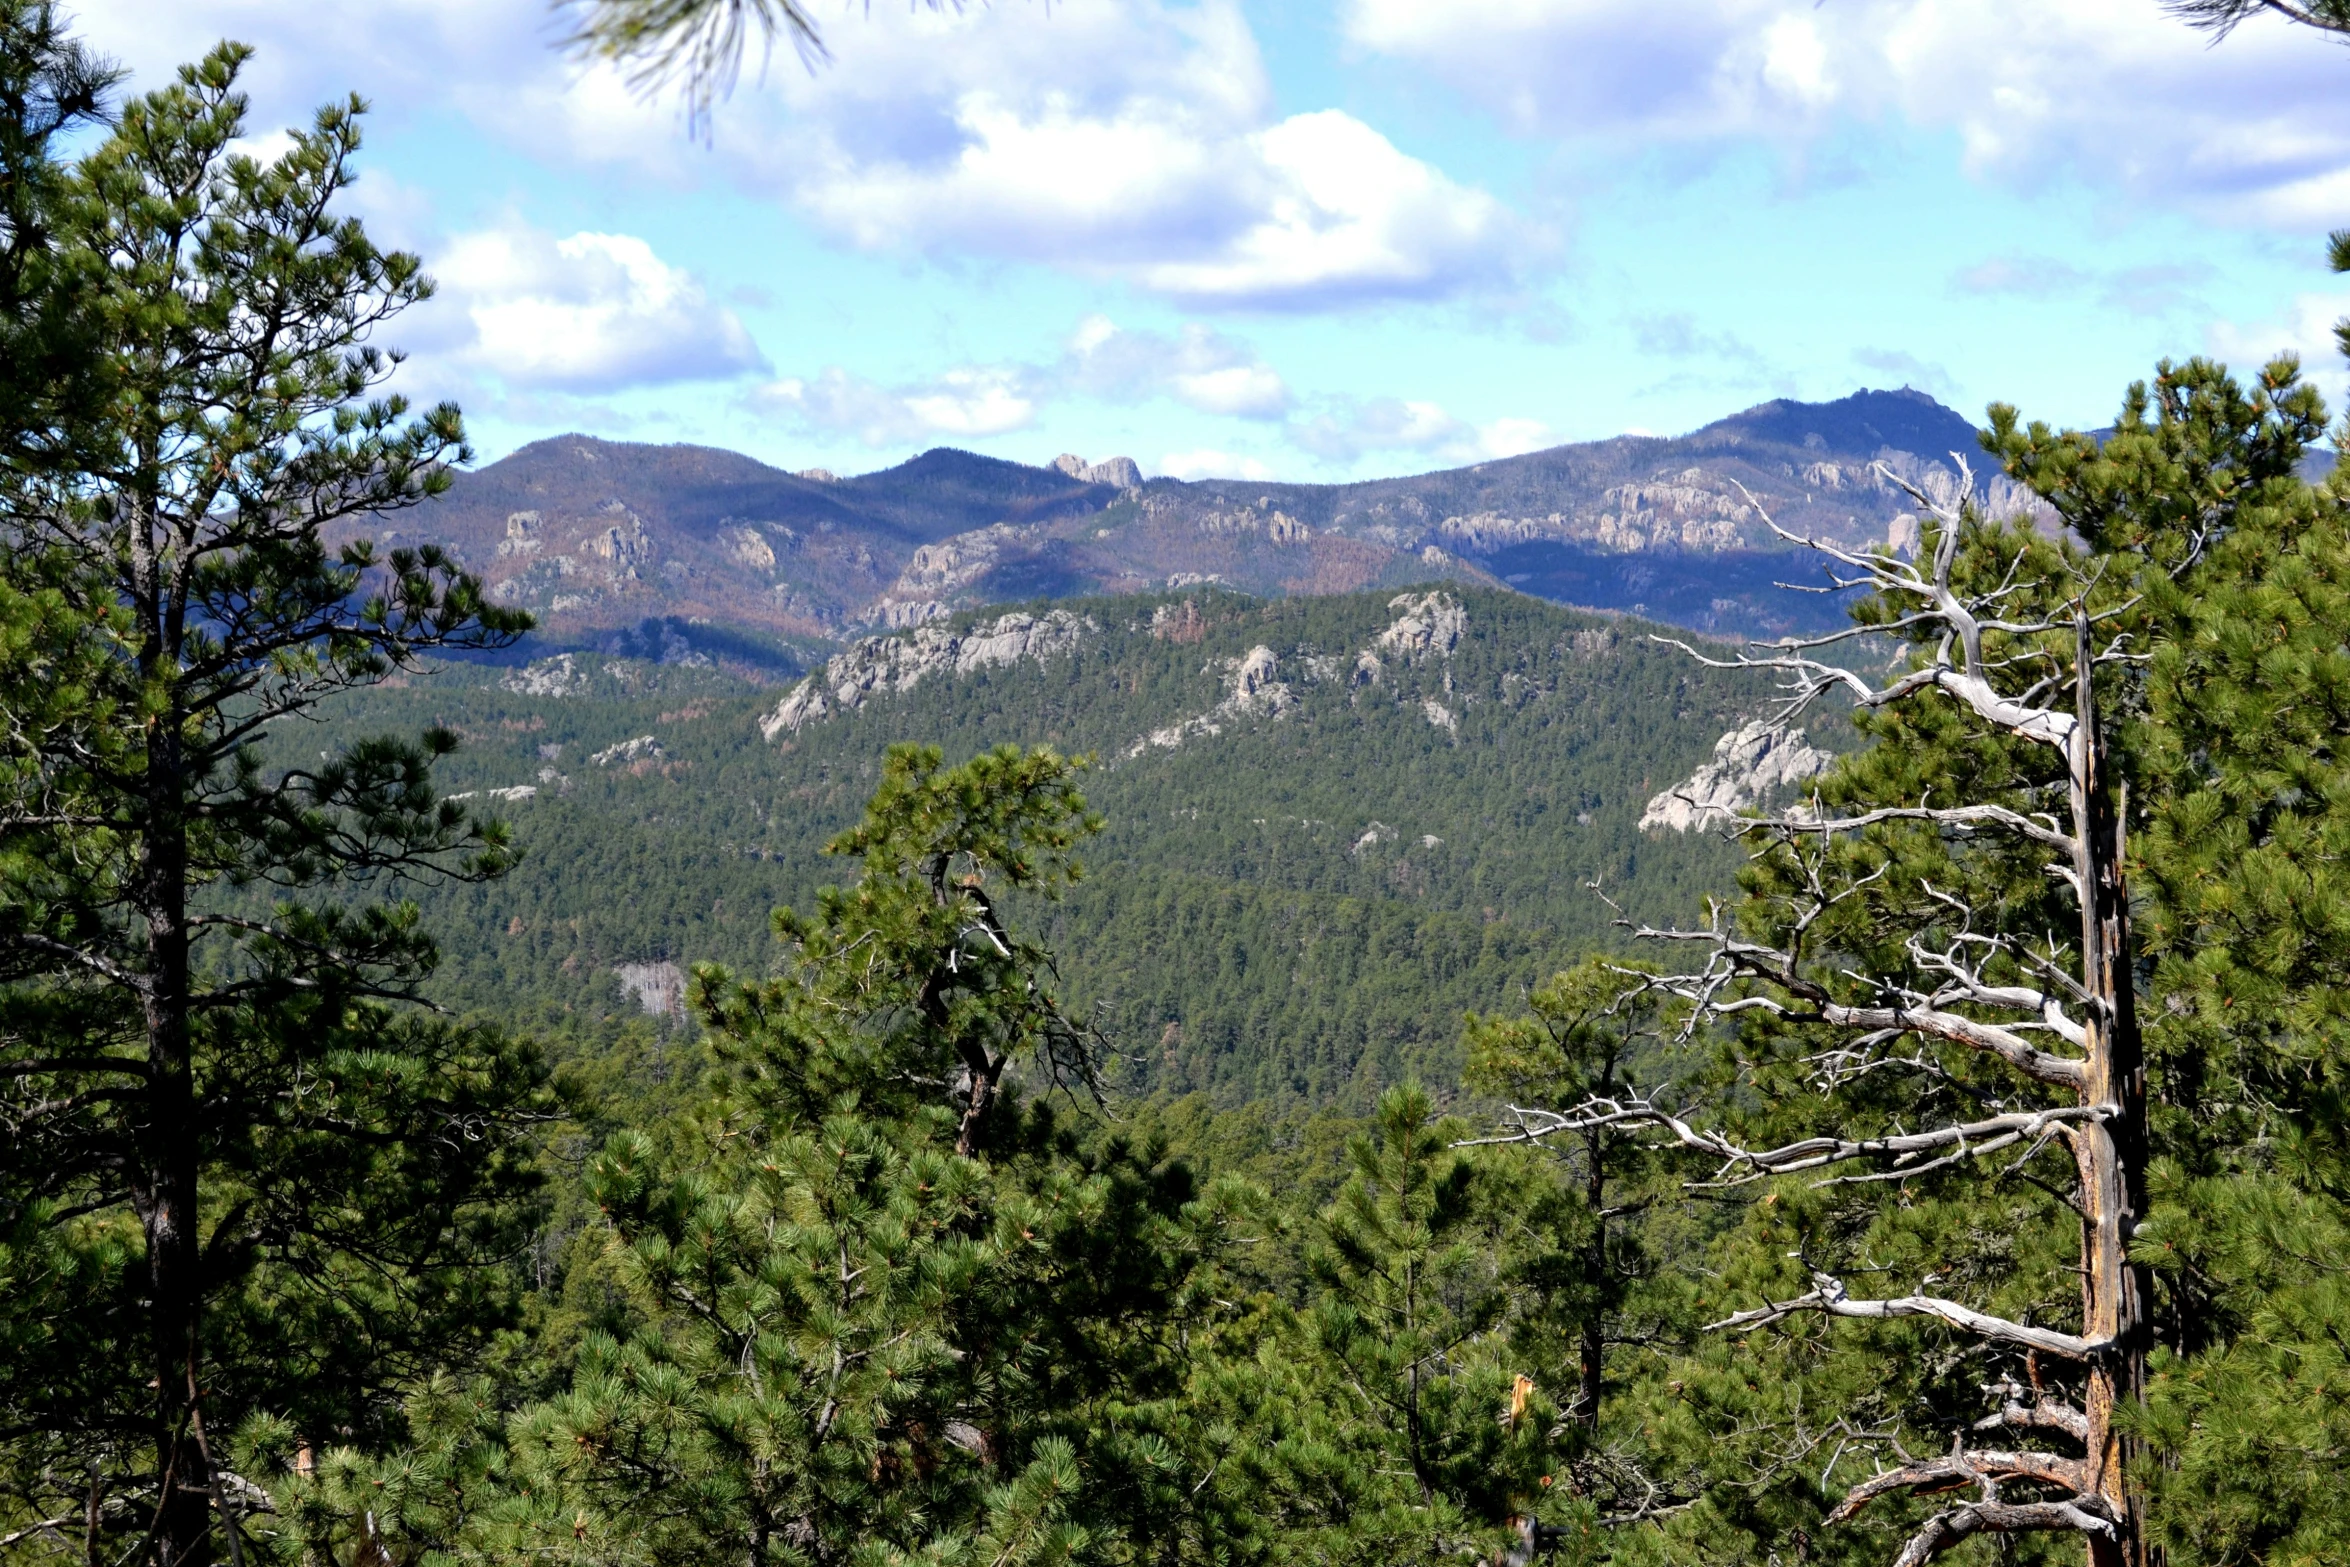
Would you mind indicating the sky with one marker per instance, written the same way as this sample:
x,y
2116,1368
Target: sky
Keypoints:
x,y
1316,239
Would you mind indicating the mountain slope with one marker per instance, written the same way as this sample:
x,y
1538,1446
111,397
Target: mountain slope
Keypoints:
x,y
596,536
1335,823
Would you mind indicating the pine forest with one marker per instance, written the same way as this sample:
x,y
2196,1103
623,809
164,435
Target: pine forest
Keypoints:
x,y
1432,1041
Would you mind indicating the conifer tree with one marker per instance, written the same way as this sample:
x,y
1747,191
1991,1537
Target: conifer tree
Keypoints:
x,y
2237,768
1585,1217
1911,998
273,1190
1904,958
1399,1426
886,1308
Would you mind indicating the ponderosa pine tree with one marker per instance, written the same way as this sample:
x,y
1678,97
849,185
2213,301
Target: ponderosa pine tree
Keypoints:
x,y
1583,1221
886,1308
1395,1424
2236,766
1906,958
267,1188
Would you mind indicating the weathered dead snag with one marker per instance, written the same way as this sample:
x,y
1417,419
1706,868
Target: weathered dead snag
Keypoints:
x,y
2057,1014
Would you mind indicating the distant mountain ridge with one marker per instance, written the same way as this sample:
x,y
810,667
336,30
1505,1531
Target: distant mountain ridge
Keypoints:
x,y
598,537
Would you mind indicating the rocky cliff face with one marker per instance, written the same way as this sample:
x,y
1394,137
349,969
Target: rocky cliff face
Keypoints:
x,y
1119,471
1752,764
596,536
880,665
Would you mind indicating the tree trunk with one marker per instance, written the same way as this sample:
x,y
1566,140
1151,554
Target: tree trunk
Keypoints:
x,y
167,1165
2111,1154
1594,1346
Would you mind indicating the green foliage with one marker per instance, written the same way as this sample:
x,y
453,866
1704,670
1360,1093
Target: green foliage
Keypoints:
x,y
912,975
1407,1297
867,1262
284,1196
2238,769
1267,919
872,1311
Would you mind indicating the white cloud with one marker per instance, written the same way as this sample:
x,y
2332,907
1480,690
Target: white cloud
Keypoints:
x,y
591,312
1207,463
2254,129
1510,437
2306,329
1132,140
967,402
1200,368
1349,429
400,53
972,402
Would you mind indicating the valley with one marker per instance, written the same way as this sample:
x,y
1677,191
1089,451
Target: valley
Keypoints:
x,y
1334,824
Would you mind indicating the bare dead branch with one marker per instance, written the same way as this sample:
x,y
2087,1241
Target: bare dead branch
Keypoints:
x,y
1971,1139
2079,1515
1828,1297
1964,1467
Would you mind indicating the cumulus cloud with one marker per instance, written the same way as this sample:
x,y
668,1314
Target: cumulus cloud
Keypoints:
x,y
1198,367
966,403
1130,140
587,313
2306,328
1349,429
2256,129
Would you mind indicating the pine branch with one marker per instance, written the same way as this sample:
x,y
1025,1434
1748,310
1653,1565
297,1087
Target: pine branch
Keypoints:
x,y
1965,1467
1970,1140
1828,1297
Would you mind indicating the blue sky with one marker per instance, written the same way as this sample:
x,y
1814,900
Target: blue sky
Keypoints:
x,y
1320,239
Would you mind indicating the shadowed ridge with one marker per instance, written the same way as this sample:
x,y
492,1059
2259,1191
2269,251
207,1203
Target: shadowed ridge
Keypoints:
x,y
1857,426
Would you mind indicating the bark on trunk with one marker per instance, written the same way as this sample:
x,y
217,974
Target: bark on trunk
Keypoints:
x,y
2110,1154
1594,1345
168,1158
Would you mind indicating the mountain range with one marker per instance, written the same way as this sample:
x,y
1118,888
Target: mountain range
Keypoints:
x,y
603,540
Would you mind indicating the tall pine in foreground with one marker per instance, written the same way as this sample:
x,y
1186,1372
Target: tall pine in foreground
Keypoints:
x,y
2238,761
242,1180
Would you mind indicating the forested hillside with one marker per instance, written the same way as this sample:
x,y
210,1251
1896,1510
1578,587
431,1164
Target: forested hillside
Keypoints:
x,y
1169,1076
1322,860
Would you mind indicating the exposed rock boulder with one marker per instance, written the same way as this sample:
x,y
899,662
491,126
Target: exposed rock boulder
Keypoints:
x,y
1252,685
879,665
642,748
1750,764
557,676
1425,624
658,987
1120,471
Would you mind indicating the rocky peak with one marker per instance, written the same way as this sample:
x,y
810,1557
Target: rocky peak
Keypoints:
x,y
1425,623
1750,764
1120,471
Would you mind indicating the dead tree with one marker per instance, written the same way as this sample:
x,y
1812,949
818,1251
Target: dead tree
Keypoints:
x,y
2056,1015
